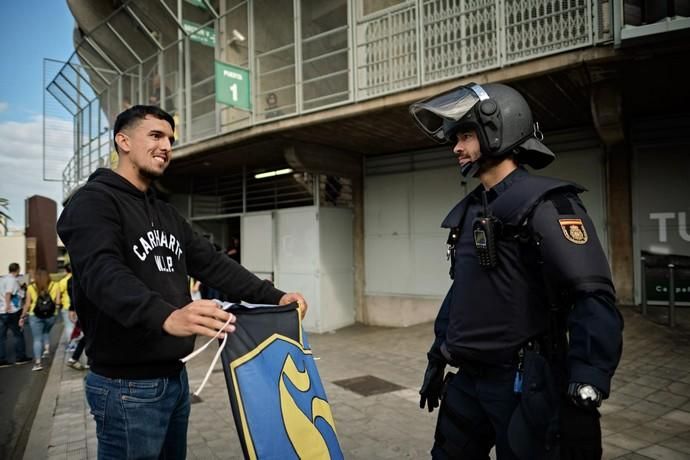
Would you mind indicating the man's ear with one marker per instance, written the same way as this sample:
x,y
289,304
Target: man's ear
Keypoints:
x,y
122,141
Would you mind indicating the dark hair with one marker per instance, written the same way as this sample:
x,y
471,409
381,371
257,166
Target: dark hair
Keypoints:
x,y
14,267
136,113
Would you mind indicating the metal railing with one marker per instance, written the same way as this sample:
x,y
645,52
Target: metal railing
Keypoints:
x,y
669,270
144,49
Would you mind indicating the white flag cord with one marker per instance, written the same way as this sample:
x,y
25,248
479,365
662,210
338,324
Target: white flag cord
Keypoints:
x,y
196,352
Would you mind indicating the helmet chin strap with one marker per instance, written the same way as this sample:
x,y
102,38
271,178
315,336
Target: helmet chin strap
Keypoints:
x,y
470,169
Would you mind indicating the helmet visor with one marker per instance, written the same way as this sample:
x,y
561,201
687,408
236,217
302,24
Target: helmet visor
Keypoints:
x,y
452,105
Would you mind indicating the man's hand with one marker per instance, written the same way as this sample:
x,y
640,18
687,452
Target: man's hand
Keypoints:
x,y
202,317
432,385
295,297
584,395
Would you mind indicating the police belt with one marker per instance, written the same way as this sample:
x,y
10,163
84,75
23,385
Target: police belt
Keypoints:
x,y
507,366
478,369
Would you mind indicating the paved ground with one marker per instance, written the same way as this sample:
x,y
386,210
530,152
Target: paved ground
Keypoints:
x,y
20,393
648,415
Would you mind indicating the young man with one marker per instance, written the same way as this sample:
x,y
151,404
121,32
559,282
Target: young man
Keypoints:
x,y
530,319
131,255
10,312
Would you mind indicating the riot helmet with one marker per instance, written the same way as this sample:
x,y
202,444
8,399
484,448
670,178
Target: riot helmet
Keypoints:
x,y
498,113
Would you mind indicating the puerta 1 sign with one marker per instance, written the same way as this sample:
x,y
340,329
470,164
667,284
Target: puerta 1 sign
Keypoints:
x,y
232,86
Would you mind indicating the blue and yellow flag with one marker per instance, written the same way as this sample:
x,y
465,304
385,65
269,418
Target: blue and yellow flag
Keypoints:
x,y
278,401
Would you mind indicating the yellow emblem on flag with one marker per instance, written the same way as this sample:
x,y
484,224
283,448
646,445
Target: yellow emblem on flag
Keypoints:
x,y
574,230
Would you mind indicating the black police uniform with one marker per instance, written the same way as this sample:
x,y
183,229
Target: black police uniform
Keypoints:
x,y
495,323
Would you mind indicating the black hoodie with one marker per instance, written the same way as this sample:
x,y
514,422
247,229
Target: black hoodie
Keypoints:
x,y
131,255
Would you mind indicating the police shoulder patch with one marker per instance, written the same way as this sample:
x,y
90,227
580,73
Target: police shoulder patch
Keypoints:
x,y
574,230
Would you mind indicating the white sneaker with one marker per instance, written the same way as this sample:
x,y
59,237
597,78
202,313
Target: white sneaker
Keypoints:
x,y
37,367
76,365
46,353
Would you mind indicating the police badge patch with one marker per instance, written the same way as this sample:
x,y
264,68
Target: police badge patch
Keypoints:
x,y
574,230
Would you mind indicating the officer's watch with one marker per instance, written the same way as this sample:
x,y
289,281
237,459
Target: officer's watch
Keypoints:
x,y
585,395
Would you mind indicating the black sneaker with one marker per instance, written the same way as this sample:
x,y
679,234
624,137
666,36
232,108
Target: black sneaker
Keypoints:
x,y
23,360
5,363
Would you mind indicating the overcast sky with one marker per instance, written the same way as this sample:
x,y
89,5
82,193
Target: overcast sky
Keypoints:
x,y
31,30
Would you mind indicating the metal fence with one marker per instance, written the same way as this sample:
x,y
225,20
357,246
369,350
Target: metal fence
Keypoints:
x,y
302,56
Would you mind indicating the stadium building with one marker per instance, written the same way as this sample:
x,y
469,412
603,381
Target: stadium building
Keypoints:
x,y
294,134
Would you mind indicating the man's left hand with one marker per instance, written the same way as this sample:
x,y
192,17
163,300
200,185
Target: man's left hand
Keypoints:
x,y
295,297
584,395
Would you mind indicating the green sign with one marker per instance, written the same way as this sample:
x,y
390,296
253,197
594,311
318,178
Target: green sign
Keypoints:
x,y
232,86
199,3
204,35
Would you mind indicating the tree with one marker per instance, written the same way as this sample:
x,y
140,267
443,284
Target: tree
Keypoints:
x,y
4,217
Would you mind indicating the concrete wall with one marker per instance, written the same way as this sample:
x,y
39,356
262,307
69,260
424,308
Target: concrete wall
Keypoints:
x,y
12,249
406,271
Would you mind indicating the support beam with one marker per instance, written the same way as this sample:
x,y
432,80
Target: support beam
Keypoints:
x,y
324,160
620,221
606,105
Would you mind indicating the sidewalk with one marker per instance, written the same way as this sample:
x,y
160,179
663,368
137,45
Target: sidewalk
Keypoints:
x,y
647,416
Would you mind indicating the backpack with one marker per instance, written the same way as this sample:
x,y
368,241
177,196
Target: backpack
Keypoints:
x,y
45,306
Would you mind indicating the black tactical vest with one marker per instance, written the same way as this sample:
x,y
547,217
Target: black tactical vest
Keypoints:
x,y
496,310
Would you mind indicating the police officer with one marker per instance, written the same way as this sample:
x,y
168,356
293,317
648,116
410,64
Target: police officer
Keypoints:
x,y
530,319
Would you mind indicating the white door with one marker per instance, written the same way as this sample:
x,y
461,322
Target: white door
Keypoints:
x,y
297,259
257,244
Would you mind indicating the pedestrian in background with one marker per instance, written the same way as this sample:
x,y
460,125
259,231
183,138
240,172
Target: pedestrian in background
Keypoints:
x,y
74,360
10,313
40,307
65,303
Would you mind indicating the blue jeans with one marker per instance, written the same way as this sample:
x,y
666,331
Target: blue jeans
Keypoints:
x,y
11,321
40,330
139,419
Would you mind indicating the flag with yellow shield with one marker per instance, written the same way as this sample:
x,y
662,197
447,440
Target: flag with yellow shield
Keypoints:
x,y
278,401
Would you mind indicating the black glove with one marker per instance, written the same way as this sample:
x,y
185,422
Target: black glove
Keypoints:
x,y
432,387
580,432
584,395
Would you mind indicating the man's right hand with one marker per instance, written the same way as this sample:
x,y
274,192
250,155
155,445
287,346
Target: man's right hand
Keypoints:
x,y
432,386
202,317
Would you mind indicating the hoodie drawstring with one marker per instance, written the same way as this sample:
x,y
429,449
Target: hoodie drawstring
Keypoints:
x,y
148,209
151,196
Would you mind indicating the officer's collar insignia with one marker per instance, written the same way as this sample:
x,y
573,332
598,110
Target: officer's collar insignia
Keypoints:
x,y
574,230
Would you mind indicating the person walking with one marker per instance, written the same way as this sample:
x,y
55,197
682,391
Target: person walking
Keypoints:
x,y
10,312
40,307
65,302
